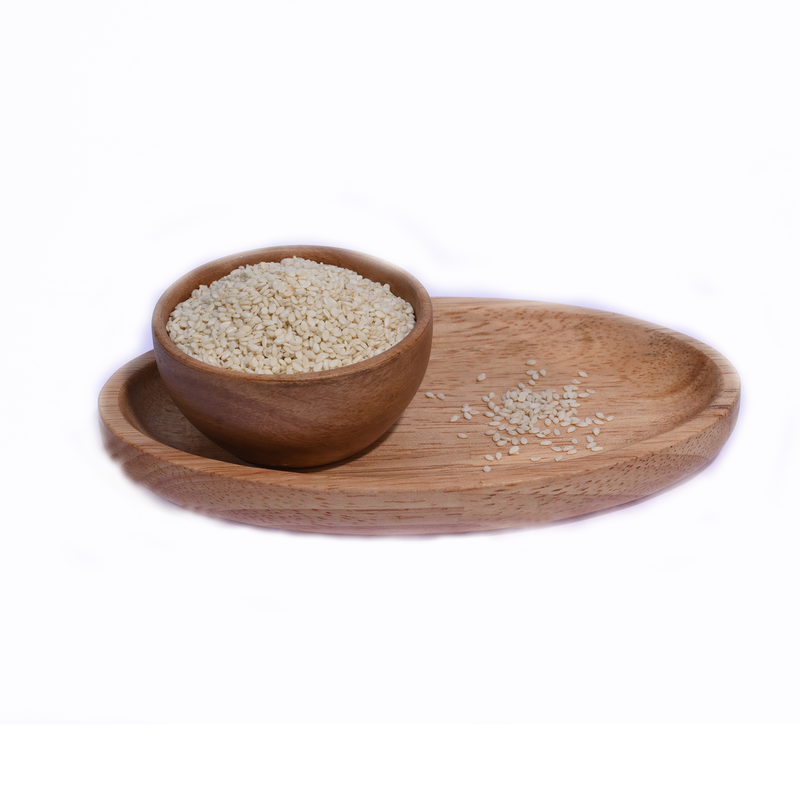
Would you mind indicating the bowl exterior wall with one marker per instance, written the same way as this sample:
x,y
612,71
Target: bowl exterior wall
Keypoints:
x,y
297,424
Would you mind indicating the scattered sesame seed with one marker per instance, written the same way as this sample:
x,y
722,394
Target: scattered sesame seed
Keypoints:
x,y
570,429
536,458
558,457
429,394
556,449
461,435
512,451
595,431
467,415
545,443
440,396
542,372
488,457
600,414
455,418
523,440
582,374
487,468
482,376
531,363
609,418
498,456
574,441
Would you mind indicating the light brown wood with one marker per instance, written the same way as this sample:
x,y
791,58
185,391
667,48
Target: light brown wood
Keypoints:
x,y
675,402
306,419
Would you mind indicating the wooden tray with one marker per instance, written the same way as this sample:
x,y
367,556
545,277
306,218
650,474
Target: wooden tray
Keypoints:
x,y
674,402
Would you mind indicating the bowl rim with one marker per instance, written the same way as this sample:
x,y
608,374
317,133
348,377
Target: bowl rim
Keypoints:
x,y
423,321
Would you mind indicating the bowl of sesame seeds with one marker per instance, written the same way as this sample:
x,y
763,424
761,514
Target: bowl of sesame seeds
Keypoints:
x,y
293,356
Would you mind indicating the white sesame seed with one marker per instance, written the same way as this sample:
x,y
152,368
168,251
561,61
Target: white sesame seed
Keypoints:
x,y
574,441
467,415
556,431
531,363
523,440
536,458
590,438
485,399
461,435
609,418
488,457
591,391
490,432
600,414
429,394
491,395
570,429
582,374
545,443
596,449
542,372
455,418
498,456
595,431
482,376
558,457
440,396
487,468
556,449
512,451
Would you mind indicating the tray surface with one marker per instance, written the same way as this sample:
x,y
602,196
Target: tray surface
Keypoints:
x,y
673,400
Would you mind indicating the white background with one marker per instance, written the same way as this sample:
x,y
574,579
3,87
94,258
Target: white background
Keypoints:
x,y
635,157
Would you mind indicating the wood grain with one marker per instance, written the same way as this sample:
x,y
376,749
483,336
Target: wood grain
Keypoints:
x,y
674,402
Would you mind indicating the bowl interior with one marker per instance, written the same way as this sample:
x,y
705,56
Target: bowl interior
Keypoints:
x,y
401,284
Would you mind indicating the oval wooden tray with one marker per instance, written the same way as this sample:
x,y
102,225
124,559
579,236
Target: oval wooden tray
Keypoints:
x,y
674,401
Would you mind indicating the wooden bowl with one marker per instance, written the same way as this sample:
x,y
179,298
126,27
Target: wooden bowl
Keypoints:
x,y
307,419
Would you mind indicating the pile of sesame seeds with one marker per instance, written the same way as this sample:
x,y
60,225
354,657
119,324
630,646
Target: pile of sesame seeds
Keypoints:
x,y
289,317
540,424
